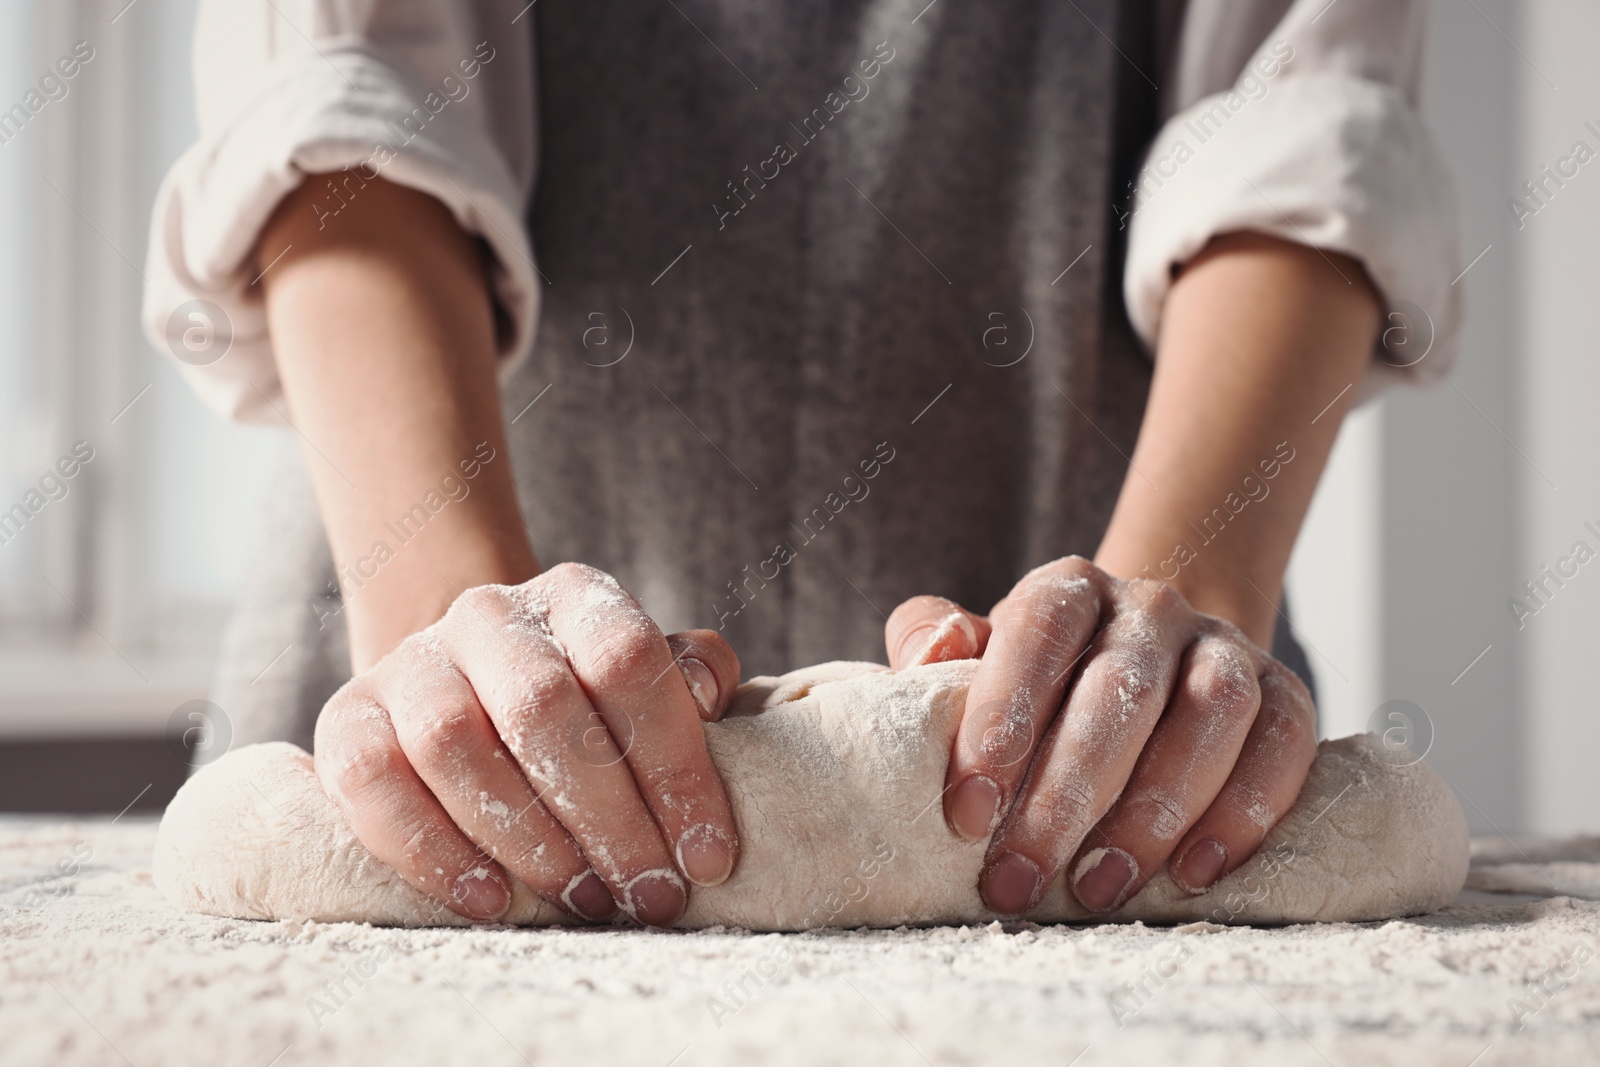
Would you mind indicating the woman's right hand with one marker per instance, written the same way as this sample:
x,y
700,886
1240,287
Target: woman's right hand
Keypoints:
x,y
547,731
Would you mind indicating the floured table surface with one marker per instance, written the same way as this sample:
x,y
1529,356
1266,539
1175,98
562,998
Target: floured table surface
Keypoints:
x,y
97,968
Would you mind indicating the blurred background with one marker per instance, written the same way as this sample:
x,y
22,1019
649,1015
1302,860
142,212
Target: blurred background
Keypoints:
x,y
1436,510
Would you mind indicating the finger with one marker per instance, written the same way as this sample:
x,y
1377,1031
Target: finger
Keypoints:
x,y
1040,631
931,629
1264,785
710,668
542,714
362,767
454,749
1180,772
1090,752
622,660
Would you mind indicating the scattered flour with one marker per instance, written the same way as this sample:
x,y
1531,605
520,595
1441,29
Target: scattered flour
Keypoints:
x,y
497,808
97,968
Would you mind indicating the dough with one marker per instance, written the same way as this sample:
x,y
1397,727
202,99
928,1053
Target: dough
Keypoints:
x,y
835,773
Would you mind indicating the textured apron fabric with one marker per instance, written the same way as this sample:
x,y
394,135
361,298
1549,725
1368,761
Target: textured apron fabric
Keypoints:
x,y
735,335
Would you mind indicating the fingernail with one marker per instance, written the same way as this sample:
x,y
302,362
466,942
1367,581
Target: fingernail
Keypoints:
x,y
656,898
941,632
1199,868
975,807
1012,884
915,659
704,856
702,685
1103,875
588,897
481,895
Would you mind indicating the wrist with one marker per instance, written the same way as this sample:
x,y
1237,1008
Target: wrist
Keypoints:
x,y
1238,601
1248,601
387,602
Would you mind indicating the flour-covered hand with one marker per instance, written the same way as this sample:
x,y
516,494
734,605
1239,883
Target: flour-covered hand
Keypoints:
x,y
549,730
1111,728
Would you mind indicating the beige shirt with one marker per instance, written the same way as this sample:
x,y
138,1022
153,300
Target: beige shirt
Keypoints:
x,y
874,282
1328,149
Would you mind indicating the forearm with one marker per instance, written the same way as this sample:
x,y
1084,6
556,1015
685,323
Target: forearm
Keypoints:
x,y
1258,336
383,331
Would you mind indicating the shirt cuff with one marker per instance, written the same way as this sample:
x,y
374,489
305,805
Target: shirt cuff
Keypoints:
x,y
339,108
1326,160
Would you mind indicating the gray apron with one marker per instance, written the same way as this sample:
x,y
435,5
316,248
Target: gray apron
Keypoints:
x,y
832,318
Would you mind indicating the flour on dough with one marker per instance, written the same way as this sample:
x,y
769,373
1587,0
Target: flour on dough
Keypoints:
x,y
835,773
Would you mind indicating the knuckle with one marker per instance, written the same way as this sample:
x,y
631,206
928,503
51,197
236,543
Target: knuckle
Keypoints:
x,y
1159,815
626,659
1073,567
1071,804
334,719
1256,808
480,600
546,860
1008,734
1126,682
538,689
570,573
1223,630
351,720
1072,574
1221,678
1156,598
417,660
1285,687
445,737
679,785
1289,728
1060,611
569,580
366,771
413,835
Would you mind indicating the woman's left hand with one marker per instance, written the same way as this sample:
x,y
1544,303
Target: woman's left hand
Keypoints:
x,y
1162,734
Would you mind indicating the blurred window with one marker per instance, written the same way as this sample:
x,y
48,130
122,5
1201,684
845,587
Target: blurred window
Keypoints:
x,y
125,506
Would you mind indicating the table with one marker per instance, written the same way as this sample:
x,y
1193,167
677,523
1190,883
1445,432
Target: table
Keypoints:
x,y
96,968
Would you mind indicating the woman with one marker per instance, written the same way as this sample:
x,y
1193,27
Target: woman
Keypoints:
x,y
813,325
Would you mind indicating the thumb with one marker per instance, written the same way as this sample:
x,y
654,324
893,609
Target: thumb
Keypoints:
x,y
709,666
931,629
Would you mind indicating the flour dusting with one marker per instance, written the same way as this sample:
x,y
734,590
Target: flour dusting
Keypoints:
x,y
835,776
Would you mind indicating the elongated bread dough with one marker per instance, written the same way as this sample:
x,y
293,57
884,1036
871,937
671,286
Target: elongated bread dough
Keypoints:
x,y
835,773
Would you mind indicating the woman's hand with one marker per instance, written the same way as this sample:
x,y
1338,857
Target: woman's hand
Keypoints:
x,y
1111,726
1162,734
548,731
545,730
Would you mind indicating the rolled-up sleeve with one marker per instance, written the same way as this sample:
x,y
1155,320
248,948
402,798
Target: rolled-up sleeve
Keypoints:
x,y
430,94
1301,121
